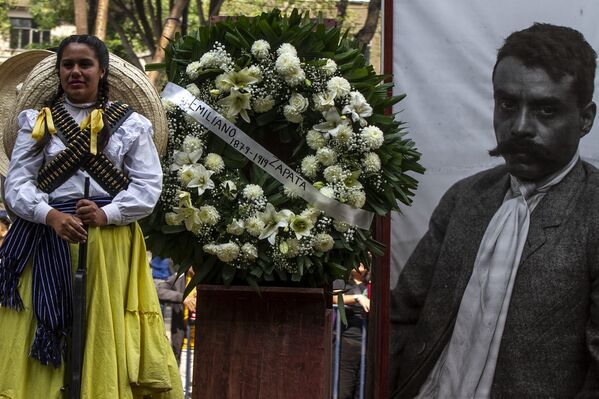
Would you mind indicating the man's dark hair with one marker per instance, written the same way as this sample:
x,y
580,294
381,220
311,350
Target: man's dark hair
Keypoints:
x,y
559,51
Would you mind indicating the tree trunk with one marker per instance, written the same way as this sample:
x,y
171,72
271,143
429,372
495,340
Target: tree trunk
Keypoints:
x,y
117,26
101,19
81,17
170,27
147,29
342,9
366,34
200,7
214,8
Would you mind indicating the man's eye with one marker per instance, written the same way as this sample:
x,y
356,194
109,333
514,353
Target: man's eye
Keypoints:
x,y
507,105
547,110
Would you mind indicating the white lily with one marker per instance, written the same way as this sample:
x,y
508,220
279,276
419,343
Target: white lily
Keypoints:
x,y
182,158
273,220
237,80
237,103
358,108
332,122
201,179
301,226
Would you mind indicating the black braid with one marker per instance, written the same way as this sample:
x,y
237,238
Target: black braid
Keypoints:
x,y
102,102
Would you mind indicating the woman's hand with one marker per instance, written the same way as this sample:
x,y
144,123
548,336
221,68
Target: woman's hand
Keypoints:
x,y
68,227
364,301
90,214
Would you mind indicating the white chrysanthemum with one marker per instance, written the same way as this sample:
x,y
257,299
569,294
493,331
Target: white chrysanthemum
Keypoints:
x,y
334,173
373,137
345,134
260,49
323,242
310,166
356,198
340,226
287,64
171,218
236,227
249,251
209,215
296,78
330,67
315,140
328,191
371,162
193,89
214,162
291,191
263,104
291,114
290,247
254,226
191,144
339,86
326,156
227,252
286,48
252,192
299,102
168,106
193,70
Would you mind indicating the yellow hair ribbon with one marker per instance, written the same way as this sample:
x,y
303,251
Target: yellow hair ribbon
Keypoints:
x,y
97,124
43,121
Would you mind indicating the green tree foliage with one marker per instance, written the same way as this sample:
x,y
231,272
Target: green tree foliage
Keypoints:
x,y
49,13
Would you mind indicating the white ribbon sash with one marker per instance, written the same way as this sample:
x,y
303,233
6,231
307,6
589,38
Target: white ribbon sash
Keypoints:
x,y
253,151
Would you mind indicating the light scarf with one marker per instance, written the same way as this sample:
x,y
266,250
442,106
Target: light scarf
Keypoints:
x,y
466,367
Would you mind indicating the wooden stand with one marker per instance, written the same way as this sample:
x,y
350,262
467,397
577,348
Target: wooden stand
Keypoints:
x,y
268,346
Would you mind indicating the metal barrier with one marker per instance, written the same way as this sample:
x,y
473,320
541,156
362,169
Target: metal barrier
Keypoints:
x,y
337,353
189,358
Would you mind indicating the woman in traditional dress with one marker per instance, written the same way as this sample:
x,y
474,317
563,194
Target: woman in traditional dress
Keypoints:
x,y
82,134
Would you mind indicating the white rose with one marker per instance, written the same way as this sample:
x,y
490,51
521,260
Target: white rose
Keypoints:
x,y
299,102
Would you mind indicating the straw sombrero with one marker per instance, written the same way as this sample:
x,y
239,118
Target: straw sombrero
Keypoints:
x,y
128,84
13,73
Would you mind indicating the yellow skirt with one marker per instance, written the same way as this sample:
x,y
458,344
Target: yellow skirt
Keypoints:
x,y
127,353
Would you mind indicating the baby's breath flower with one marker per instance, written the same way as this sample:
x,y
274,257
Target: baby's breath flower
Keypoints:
x,y
193,70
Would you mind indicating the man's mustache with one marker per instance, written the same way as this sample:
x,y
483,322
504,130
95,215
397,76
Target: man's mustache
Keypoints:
x,y
520,146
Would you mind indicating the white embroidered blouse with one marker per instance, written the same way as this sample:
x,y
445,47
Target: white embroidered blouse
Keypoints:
x,y
130,149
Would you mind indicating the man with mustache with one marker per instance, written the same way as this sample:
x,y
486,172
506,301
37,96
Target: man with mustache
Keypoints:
x,y
501,296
